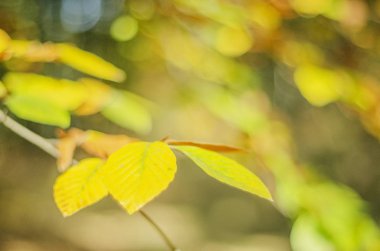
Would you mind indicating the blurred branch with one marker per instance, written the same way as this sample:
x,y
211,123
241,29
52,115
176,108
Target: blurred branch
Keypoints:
x,y
49,148
27,134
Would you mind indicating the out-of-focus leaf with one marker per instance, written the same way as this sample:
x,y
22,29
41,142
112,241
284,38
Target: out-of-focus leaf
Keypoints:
x,y
32,51
66,147
4,41
226,170
138,172
63,93
236,110
89,63
211,147
79,187
38,110
3,90
321,86
306,235
103,145
127,111
98,94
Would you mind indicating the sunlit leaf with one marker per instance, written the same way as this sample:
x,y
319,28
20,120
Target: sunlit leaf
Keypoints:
x,y
212,147
38,110
103,145
89,63
63,93
138,172
226,170
80,186
98,94
127,111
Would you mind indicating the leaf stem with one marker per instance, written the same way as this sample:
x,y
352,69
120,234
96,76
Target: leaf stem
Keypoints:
x,y
49,148
168,242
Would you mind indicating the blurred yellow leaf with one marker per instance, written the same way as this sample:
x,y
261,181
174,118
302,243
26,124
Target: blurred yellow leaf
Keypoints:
x,y
66,147
4,40
321,86
226,170
38,110
126,110
138,172
103,145
3,90
98,94
32,51
89,63
233,41
80,186
63,93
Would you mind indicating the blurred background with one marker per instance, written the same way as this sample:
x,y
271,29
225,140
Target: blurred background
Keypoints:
x,y
294,82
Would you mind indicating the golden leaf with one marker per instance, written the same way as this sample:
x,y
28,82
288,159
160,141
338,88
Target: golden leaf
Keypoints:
x,y
80,186
89,63
138,172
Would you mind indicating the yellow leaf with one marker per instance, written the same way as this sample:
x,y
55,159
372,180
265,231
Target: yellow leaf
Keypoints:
x,y
79,187
4,41
32,51
89,63
226,170
138,172
98,94
3,90
321,86
63,93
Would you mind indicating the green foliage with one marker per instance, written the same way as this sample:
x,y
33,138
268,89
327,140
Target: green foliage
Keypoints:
x,y
38,110
125,110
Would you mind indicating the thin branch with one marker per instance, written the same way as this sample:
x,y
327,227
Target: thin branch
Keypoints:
x,y
49,148
160,231
27,134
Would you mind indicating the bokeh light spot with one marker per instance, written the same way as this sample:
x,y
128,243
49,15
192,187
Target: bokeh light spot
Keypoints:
x,y
124,28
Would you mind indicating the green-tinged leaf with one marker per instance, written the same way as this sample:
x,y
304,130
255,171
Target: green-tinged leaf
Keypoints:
x,y
79,187
226,170
38,110
63,93
138,172
127,111
89,63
